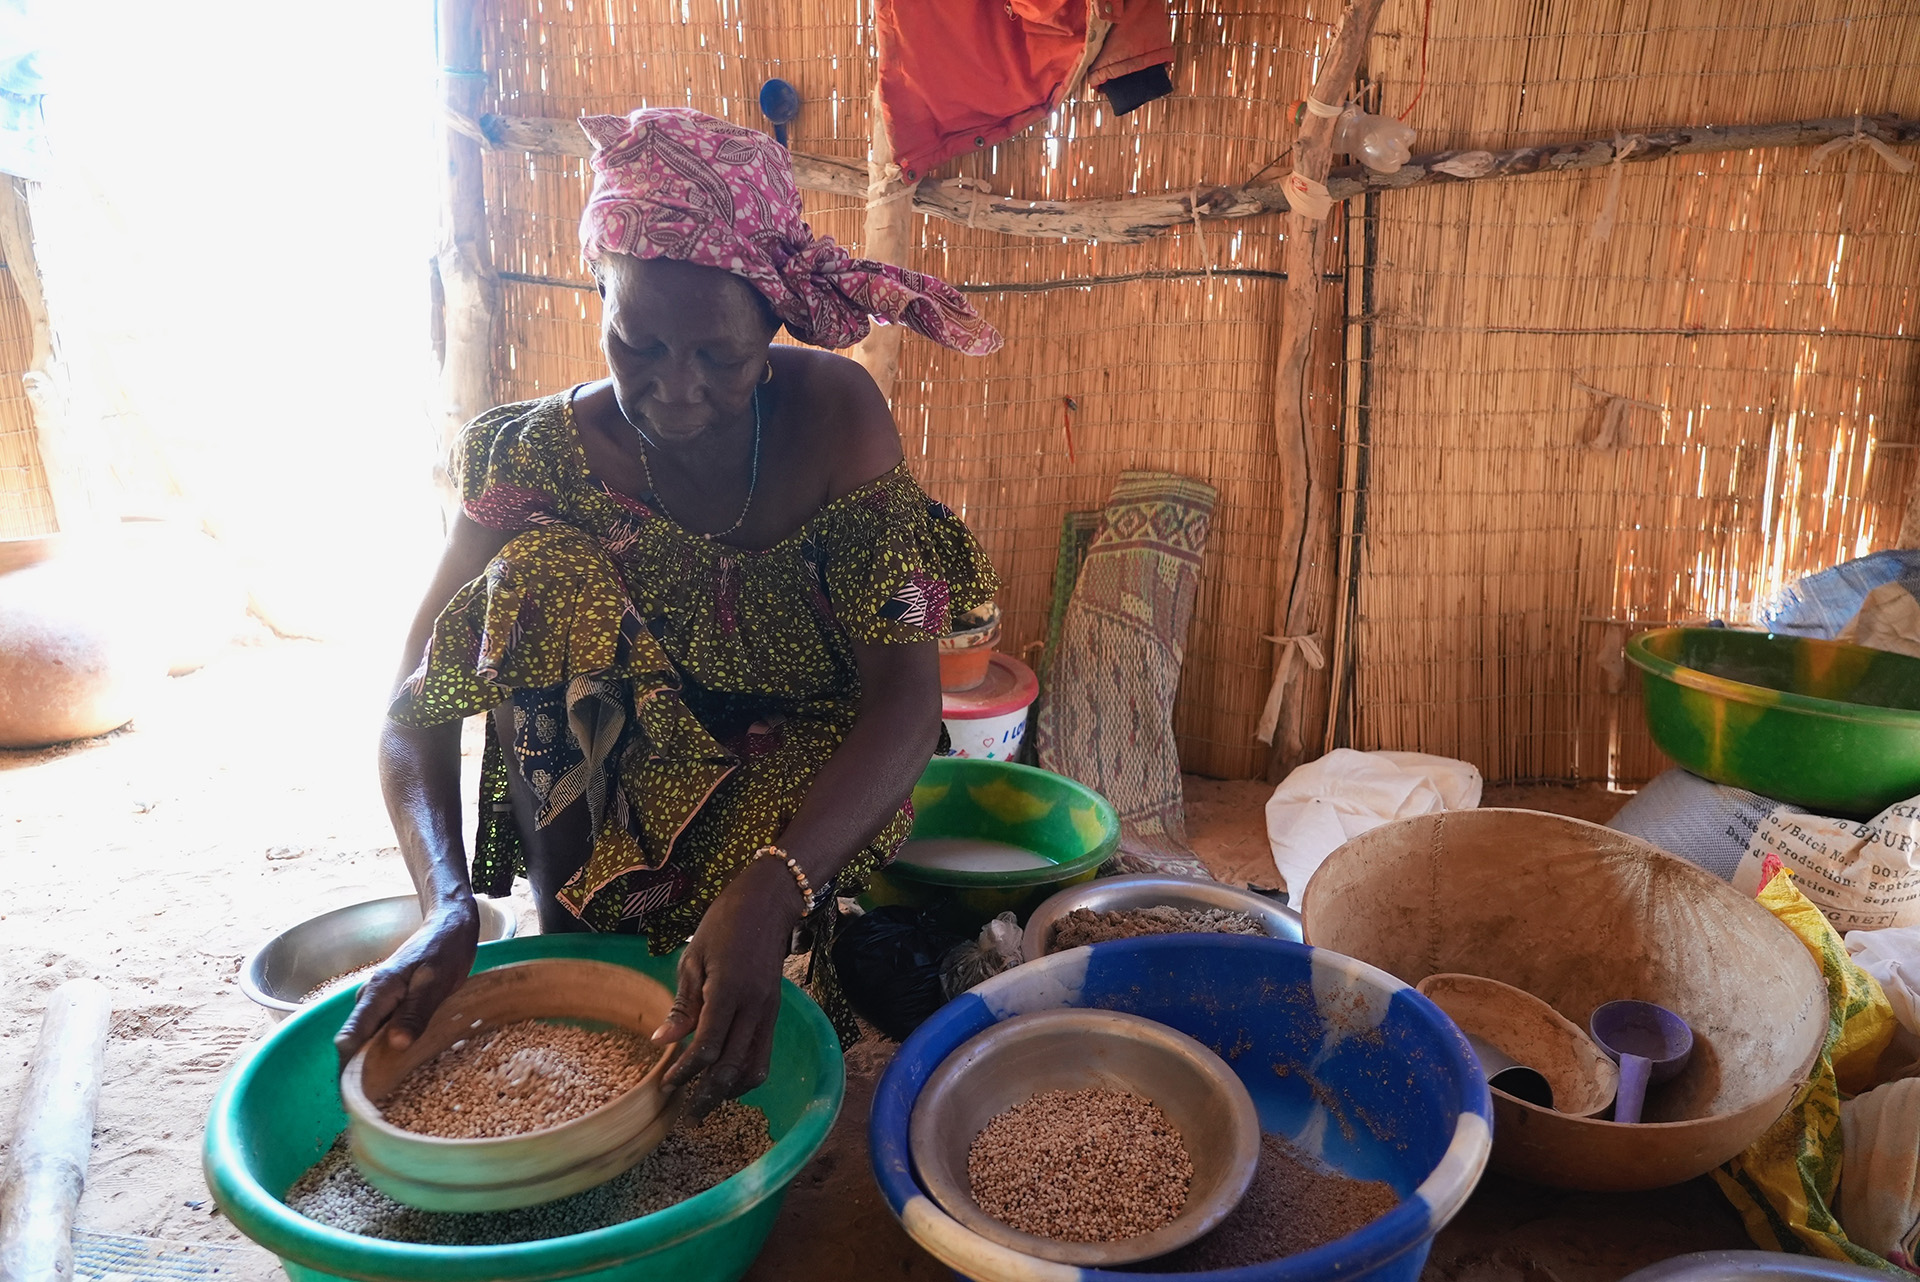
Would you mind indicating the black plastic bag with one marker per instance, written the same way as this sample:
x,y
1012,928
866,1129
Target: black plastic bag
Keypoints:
x,y
889,963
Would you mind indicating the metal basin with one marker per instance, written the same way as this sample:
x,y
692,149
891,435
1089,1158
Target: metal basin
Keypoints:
x,y
282,971
1074,1050
1152,890
1752,1266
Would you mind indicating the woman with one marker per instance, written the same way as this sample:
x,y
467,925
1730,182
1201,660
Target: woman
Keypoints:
x,y
699,598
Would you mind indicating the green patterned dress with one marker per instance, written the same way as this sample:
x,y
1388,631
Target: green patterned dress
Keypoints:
x,y
686,691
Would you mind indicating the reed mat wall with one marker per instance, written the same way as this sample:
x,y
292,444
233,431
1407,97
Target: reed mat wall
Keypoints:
x,y
1172,373
1759,317
1761,311
26,502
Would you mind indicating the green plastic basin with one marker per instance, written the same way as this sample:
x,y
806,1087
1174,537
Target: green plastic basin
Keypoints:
x,y
279,1110
1060,820
1822,724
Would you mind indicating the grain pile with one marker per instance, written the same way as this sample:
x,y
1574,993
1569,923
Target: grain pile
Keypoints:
x,y
693,1158
1293,1205
328,987
516,1078
1085,926
1081,1166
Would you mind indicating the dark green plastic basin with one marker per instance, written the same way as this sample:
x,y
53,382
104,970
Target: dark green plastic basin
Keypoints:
x,y
1064,822
1822,724
279,1110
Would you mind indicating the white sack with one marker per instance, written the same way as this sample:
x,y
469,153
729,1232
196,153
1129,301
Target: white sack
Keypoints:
x,y
1880,1170
1893,958
1323,804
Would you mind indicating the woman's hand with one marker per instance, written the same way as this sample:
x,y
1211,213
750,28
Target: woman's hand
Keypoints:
x,y
401,996
729,986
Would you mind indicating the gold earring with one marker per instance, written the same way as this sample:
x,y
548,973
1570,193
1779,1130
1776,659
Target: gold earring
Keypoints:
x,y
767,377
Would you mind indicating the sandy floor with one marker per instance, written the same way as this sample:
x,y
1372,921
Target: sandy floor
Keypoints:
x,y
155,858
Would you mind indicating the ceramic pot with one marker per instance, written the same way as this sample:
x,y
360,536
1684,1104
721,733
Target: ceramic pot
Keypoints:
x,y
75,660
966,654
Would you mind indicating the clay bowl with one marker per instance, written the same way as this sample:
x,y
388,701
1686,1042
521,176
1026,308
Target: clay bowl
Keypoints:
x,y
439,1174
1579,915
1072,1050
1530,1032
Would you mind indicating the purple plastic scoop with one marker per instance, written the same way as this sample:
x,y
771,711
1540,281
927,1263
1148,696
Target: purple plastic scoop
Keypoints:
x,y
1651,1043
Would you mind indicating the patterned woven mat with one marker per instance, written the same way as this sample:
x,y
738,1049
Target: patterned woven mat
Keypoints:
x,y
1107,718
110,1257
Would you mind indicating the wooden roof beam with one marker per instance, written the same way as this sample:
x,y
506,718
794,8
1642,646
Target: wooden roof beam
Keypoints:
x,y
1132,219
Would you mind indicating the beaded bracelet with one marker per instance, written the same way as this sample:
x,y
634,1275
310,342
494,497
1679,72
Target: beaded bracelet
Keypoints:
x,y
808,901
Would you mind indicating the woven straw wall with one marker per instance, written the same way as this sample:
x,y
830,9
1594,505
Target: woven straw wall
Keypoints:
x,y
26,504
1173,373
1765,316
1765,313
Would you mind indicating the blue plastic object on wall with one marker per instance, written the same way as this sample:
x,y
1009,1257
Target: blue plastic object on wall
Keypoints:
x,y
780,103
1307,1030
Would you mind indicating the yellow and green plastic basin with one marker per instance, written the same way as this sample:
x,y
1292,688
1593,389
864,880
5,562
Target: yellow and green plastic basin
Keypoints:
x,y
1064,822
1822,724
279,1110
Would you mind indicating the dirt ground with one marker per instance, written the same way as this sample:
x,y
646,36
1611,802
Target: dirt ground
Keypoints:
x,y
153,859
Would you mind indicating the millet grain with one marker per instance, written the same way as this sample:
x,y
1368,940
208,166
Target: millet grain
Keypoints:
x,y
1081,1166
517,1078
1085,926
692,1159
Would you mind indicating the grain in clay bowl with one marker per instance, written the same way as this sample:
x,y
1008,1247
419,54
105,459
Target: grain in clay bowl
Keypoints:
x,y
1578,915
437,1173
1530,1032
1074,1050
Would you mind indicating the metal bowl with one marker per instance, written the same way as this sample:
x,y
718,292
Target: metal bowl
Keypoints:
x,y
1752,1266
1071,1050
1154,890
281,972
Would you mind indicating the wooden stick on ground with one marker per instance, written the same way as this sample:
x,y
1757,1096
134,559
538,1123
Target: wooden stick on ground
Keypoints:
x,y
1306,528
53,1135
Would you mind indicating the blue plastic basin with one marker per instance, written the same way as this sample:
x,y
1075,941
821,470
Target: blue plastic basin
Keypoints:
x,y
1340,1056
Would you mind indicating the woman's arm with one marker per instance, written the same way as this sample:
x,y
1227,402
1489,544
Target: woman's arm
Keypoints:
x,y
729,986
420,778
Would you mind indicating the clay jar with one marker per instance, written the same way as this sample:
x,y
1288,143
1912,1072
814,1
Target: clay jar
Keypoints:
x,y
966,653
77,659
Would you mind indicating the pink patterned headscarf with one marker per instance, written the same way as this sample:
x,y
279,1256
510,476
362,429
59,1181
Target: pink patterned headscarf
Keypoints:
x,y
671,182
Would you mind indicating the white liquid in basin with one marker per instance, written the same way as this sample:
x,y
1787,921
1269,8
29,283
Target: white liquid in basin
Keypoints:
x,y
969,854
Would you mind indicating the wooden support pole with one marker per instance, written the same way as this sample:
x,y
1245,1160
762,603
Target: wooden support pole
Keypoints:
x,y
889,225
68,462
469,293
1131,219
46,1163
1308,482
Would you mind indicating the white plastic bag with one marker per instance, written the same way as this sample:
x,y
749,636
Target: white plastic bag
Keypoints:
x,y
1893,958
1323,804
1380,143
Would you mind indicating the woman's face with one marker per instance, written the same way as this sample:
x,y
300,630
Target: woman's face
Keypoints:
x,y
686,345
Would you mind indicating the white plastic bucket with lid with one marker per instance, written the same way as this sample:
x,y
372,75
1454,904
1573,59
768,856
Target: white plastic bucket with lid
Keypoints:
x,y
989,722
